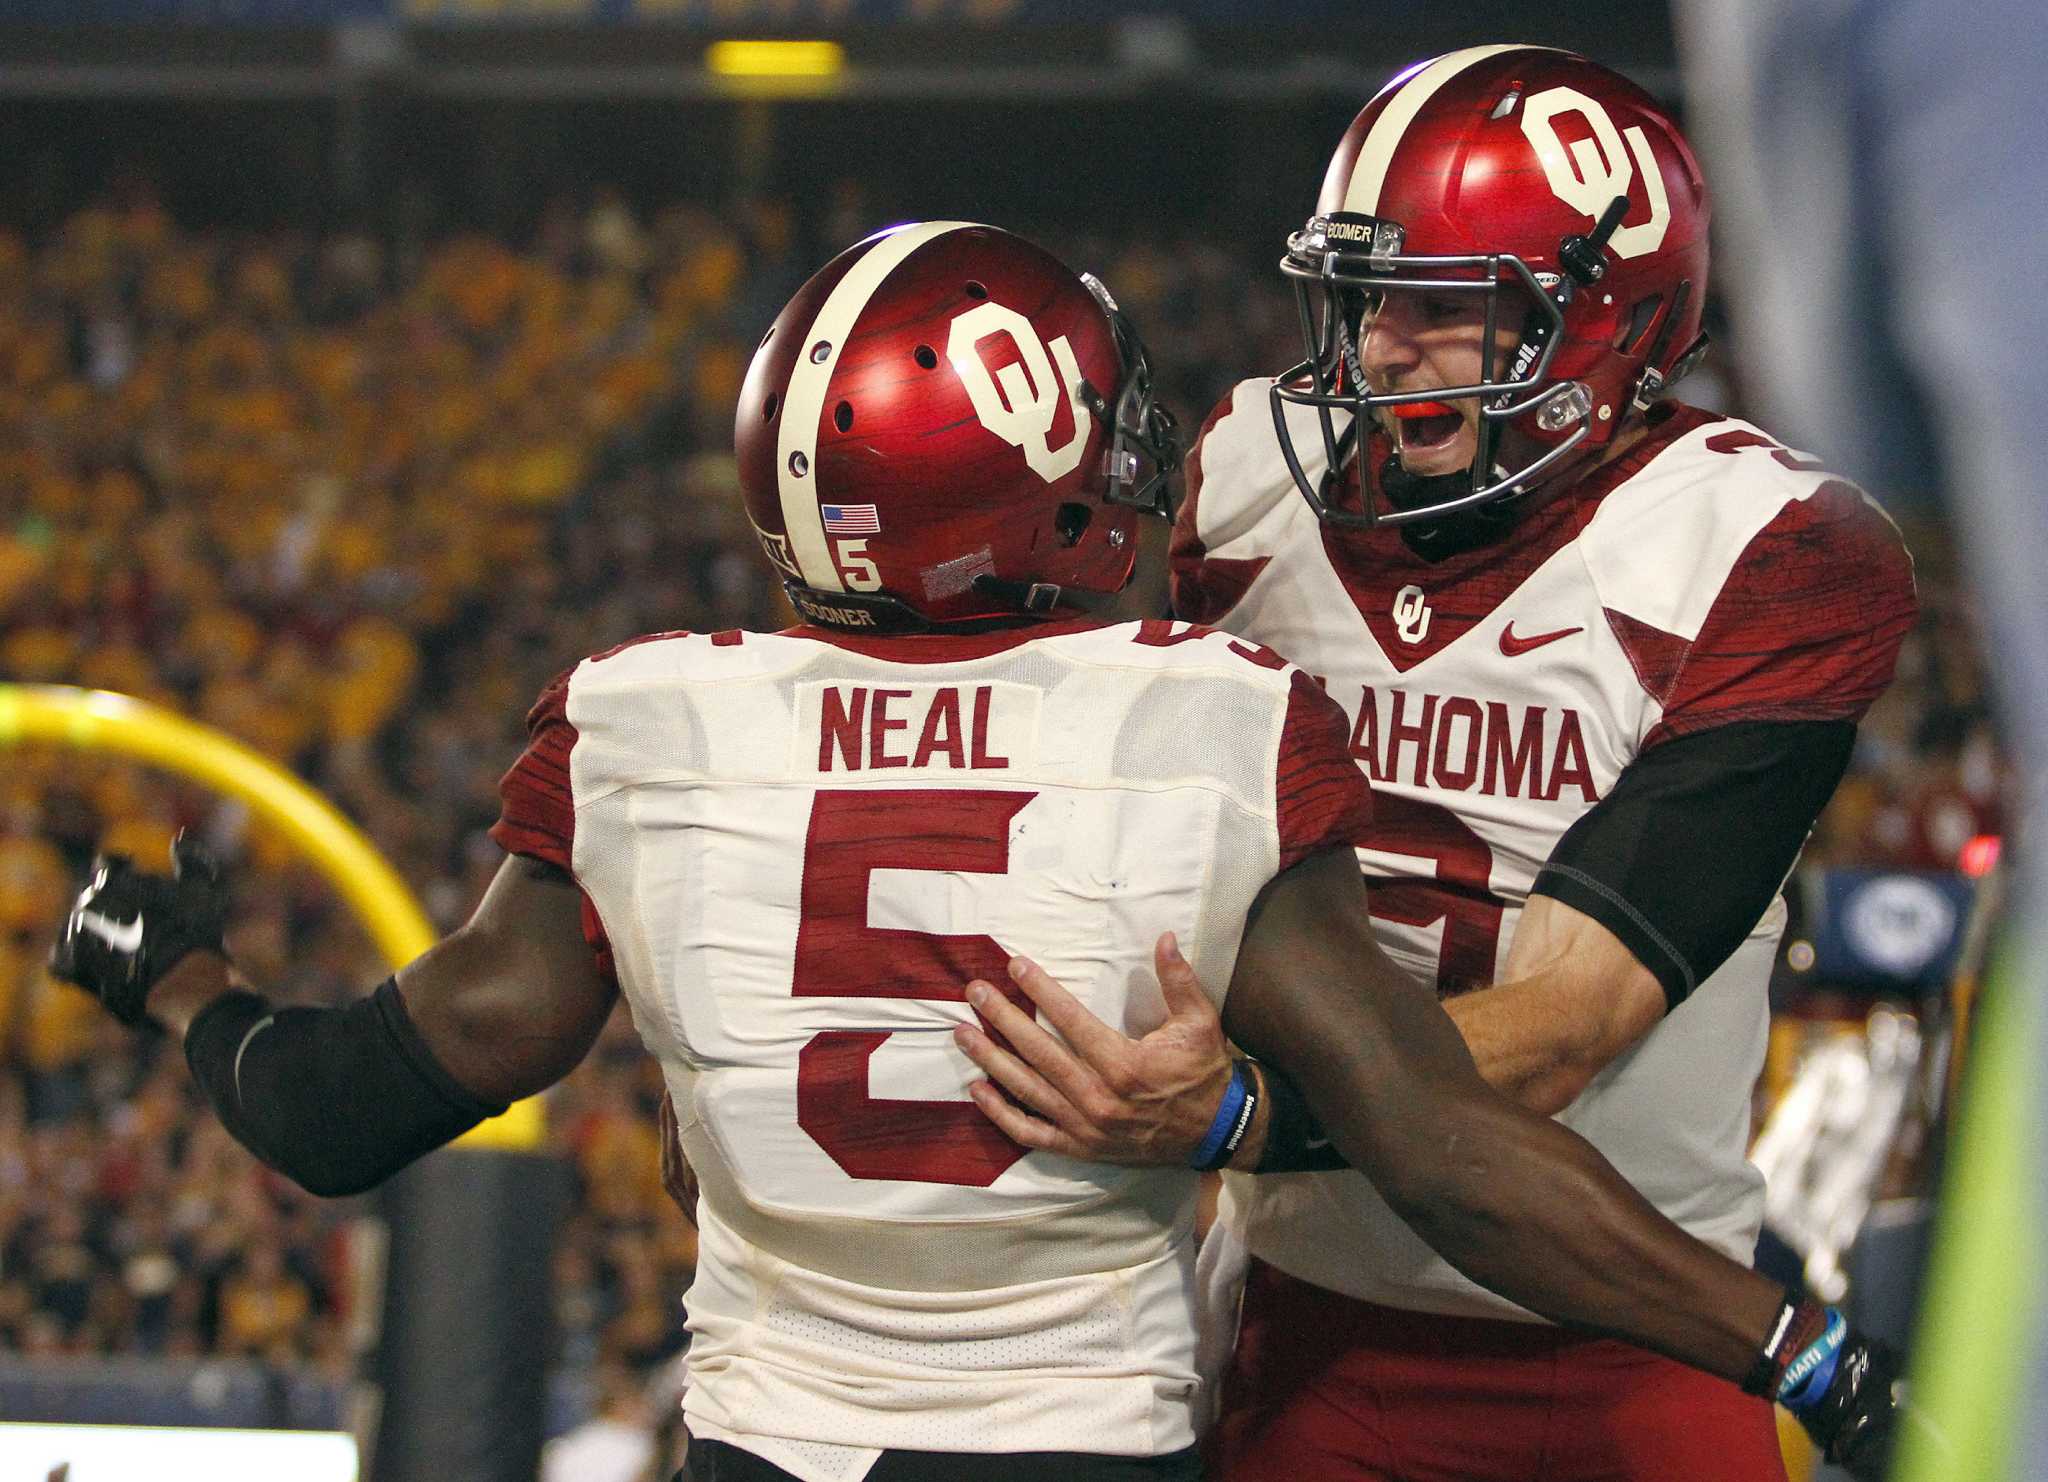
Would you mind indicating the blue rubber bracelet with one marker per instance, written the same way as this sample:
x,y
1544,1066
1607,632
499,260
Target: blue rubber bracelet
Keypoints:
x,y
1808,1376
1226,1118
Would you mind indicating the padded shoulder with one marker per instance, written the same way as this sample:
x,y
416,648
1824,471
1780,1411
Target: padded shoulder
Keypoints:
x,y
695,657
1748,584
1661,545
1239,501
1165,644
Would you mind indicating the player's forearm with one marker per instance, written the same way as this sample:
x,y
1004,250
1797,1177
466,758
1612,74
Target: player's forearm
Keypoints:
x,y
337,1099
1525,1047
184,992
1529,1209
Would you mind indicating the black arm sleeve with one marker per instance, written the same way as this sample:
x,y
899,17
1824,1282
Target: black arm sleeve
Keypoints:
x,y
1295,1141
336,1099
1680,860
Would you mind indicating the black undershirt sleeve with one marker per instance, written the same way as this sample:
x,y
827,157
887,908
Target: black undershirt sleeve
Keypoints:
x,y
1681,859
337,1099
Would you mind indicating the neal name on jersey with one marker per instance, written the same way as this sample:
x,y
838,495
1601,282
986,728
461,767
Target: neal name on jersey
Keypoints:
x,y
1704,577
797,850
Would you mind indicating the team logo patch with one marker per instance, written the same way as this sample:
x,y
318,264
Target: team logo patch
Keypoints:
x,y
1411,614
777,547
850,519
1019,402
1591,172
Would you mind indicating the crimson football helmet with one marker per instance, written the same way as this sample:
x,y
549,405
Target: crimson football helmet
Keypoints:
x,y
1555,189
947,424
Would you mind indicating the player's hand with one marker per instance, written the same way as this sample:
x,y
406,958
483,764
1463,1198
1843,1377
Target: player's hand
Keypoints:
x,y
1854,1419
1090,1091
128,929
676,1174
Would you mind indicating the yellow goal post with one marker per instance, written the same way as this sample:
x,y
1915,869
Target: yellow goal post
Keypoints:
x,y
104,723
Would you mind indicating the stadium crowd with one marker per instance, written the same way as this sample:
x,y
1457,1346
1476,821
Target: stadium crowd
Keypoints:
x,y
352,499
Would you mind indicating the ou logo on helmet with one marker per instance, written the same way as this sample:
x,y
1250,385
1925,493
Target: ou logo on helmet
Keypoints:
x,y
1594,171
1018,402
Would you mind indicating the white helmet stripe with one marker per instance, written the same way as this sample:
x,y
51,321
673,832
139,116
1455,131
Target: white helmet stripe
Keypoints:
x,y
803,402
1362,194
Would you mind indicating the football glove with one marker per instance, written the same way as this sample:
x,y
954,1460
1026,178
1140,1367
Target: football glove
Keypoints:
x,y
1846,1390
127,928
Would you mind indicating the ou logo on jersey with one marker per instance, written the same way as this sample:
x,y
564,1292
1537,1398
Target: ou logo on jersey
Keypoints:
x,y
1411,614
1019,401
1594,171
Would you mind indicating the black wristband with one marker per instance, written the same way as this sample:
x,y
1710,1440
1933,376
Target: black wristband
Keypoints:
x,y
1294,1139
1800,1320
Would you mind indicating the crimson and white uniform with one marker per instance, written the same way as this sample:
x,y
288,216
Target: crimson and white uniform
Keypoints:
x,y
1705,577
797,850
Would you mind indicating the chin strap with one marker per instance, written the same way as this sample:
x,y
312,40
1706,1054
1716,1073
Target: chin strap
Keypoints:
x,y
1455,533
1037,598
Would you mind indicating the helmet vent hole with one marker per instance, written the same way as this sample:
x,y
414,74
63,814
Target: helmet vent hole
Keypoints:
x,y
771,406
821,352
799,464
975,290
1070,522
926,356
842,416
766,337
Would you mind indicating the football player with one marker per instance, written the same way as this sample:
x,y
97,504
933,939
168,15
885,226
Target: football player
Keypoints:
x,y
1602,656
794,852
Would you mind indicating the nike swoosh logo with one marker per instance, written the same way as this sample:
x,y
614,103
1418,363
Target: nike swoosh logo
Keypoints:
x,y
1514,647
122,936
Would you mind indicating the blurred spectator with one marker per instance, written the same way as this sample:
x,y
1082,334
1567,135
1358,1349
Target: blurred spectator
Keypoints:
x,y
614,1445
263,1308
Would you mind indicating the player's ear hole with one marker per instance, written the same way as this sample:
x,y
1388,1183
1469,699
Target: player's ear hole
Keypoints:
x,y
1070,522
1640,318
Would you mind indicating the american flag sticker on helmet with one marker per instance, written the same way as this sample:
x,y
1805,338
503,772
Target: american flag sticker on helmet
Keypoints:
x,y
850,519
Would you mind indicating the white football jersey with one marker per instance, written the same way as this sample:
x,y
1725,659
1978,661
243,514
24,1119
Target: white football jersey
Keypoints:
x,y
1706,576
797,851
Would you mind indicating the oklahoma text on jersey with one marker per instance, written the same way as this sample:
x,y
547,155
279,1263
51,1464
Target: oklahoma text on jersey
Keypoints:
x,y
1706,576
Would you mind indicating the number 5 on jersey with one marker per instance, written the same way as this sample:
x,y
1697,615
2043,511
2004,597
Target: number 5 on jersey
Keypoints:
x,y
853,833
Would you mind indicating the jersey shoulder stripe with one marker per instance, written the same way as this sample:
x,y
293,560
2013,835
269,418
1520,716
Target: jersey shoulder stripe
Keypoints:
x,y
1663,542
1746,583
